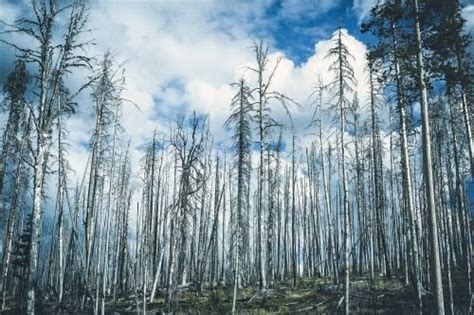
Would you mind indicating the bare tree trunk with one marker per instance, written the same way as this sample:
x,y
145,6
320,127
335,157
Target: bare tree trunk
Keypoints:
x,y
427,169
293,213
36,221
406,171
14,207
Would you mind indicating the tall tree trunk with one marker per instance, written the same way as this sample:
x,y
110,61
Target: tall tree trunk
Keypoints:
x,y
39,168
293,213
406,170
427,169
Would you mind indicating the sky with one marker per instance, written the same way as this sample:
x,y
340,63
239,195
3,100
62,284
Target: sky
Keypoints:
x,y
181,56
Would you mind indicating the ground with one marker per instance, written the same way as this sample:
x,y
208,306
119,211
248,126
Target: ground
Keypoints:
x,y
310,296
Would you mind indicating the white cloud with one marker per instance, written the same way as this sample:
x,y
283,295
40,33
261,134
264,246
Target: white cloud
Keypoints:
x,y
181,56
468,14
9,12
297,8
362,8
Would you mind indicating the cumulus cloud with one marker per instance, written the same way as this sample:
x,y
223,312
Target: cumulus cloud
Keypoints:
x,y
362,8
468,14
182,57
9,12
297,8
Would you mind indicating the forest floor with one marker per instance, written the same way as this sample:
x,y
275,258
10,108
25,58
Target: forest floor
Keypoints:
x,y
310,296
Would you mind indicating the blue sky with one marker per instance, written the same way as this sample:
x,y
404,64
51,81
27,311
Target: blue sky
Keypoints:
x,y
292,26
182,55
293,33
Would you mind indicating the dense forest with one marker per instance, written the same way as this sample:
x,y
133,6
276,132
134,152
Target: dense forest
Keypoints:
x,y
374,215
